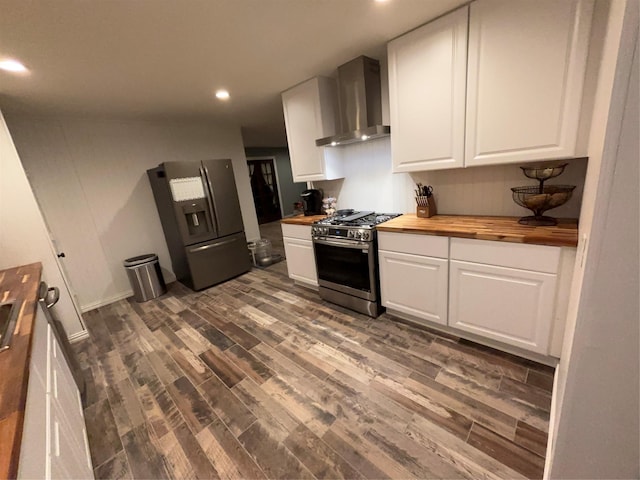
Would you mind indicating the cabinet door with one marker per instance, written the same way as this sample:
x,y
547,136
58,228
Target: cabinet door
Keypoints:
x,y
301,262
309,114
33,452
427,82
66,459
415,285
525,78
64,394
510,305
69,451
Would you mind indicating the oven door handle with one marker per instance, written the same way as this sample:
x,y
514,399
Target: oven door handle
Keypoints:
x,y
342,243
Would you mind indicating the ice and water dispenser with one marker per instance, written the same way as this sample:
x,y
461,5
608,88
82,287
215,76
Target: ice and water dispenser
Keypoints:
x,y
196,217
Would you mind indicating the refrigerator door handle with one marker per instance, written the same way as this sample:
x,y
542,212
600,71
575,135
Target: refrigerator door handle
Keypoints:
x,y
209,192
212,245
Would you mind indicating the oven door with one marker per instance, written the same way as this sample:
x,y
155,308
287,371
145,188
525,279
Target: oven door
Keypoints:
x,y
347,266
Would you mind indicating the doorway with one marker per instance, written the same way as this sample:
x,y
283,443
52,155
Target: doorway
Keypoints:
x,y
264,185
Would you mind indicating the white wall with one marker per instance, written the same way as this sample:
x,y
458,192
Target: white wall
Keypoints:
x,y
595,428
23,235
89,175
370,185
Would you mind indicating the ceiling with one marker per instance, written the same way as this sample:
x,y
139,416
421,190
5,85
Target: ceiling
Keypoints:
x,y
166,58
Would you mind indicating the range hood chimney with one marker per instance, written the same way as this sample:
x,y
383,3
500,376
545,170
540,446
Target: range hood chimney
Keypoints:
x,y
360,103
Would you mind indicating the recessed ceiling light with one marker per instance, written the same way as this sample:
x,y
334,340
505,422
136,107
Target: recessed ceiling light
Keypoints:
x,y
364,137
222,94
12,66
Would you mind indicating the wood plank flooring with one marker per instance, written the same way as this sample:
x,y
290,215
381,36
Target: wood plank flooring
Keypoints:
x,y
260,378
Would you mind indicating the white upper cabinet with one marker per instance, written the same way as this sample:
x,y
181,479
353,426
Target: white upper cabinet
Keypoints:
x,y
310,112
514,96
427,81
526,70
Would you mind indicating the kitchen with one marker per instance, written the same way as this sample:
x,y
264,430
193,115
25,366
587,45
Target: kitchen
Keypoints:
x,y
115,144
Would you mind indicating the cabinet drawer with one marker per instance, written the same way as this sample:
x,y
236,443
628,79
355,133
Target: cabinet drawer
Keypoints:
x,y
302,232
428,245
538,258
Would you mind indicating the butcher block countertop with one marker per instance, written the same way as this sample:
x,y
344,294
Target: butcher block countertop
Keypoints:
x,y
504,229
20,283
302,220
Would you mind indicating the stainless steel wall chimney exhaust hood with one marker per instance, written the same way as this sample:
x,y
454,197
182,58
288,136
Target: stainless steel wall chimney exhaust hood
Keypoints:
x,y
360,102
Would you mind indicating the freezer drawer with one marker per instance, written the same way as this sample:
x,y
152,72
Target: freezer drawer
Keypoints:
x,y
218,260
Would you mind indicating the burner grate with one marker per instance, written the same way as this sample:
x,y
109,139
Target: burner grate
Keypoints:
x,y
362,219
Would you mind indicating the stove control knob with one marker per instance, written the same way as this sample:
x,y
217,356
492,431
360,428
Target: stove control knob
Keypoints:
x,y
365,235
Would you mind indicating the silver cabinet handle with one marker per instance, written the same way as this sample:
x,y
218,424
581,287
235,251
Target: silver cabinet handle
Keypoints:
x,y
55,298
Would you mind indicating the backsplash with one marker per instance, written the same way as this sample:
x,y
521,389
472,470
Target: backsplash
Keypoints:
x,y
369,184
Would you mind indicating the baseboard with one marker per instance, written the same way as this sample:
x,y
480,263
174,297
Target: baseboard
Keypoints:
x,y
519,352
106,301
76,337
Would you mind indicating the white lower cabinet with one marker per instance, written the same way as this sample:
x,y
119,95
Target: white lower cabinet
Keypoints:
x,y
505,293
298,249
415,285
54,441
414,275
509,305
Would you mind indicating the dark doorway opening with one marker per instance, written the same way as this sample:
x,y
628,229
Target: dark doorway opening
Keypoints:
x,y
264,186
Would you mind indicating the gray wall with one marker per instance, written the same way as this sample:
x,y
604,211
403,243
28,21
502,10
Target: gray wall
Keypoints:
x,y
289,191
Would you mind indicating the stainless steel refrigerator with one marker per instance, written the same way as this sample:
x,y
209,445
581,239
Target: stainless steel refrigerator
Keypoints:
x,y
200,215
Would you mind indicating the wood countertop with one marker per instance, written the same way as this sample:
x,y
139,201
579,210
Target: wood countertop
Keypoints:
x,y
302,220
20,283
504,229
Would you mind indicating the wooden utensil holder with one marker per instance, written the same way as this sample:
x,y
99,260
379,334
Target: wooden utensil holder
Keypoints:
x,y
428,207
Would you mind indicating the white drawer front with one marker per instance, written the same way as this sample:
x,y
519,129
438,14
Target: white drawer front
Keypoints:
x,y
302,232
416,244
538,258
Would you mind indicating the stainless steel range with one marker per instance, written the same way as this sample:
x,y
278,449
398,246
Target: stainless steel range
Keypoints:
x,y
346,252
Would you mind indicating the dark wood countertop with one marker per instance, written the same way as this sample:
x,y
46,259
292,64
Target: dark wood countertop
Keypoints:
x,y
504,229
20,283
302,220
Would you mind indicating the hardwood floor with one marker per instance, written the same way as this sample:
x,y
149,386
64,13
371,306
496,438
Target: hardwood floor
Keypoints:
x,y
259,378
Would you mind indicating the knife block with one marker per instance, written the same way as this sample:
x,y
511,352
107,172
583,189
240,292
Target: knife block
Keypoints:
x,y
428,209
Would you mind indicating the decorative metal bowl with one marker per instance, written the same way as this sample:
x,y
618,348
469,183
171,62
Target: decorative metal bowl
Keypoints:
x,y
543,172
541,199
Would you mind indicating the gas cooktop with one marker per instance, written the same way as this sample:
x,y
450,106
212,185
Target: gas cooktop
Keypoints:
x,y
352,218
